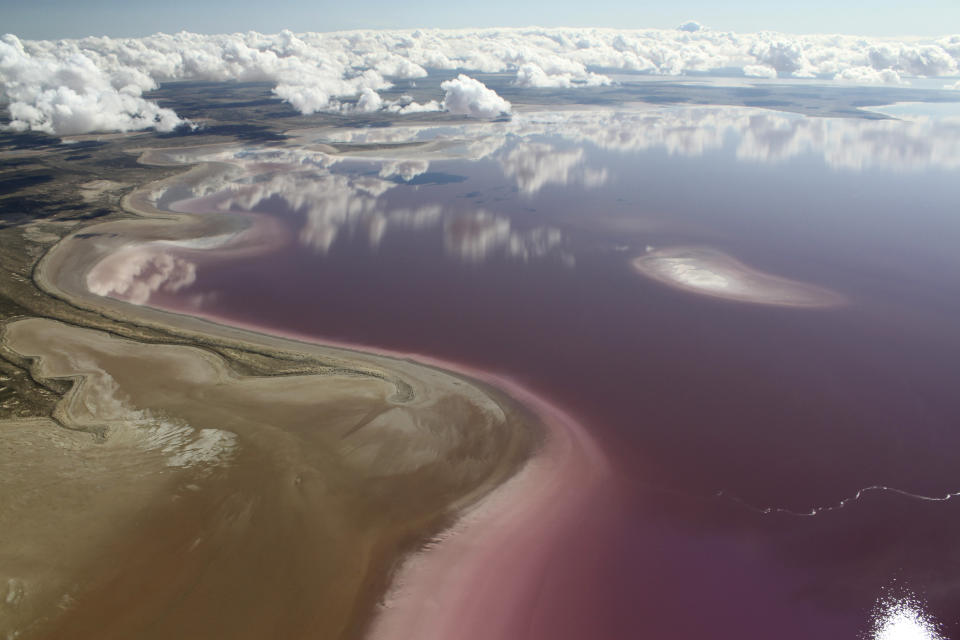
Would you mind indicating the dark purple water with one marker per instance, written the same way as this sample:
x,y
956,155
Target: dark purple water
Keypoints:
x,y
712,411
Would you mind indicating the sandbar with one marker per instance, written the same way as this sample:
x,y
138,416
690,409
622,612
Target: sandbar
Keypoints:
x,y
709,272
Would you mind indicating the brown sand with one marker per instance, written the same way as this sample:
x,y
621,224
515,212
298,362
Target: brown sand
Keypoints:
x,y
171,497
199,503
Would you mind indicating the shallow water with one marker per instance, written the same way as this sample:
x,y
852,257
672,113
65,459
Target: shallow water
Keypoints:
x,y
741,432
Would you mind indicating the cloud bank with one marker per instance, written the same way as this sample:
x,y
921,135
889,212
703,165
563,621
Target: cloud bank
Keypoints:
x,y
97,84
71,93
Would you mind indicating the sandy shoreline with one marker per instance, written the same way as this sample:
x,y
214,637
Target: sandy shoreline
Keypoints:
x,y
481,577
523,500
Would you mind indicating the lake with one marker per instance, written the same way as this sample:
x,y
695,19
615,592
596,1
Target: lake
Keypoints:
x,y
752,312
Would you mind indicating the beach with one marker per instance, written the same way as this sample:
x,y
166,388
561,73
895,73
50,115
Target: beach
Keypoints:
x,y
226,503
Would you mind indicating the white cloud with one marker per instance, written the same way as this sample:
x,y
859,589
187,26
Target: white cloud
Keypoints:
x,y
406,105
786,56
417,107
691,26
869,75
319,92
72,94
759,71
93,84
532,75
467,96
369,100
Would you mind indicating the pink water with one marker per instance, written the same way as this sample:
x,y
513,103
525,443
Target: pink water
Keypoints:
x,y
726,424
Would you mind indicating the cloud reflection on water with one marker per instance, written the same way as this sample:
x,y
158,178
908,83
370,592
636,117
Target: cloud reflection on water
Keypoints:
x,y
134,273
330,203
535,165
526,145
474,236
535,150
405,169
327,201
758,135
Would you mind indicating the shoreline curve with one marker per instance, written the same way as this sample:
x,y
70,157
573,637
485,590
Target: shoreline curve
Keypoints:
x,y
566,463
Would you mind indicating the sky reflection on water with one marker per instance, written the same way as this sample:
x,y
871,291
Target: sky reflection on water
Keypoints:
x,y
512,246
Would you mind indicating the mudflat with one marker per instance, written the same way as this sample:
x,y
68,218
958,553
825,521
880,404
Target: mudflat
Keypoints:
x,y
175,492
172,497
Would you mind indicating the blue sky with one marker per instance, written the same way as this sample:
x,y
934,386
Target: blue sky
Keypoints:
x,y
49,19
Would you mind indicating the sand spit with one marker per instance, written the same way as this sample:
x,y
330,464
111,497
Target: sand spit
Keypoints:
x,y
183,500
171,497
713,273
232,506
483,578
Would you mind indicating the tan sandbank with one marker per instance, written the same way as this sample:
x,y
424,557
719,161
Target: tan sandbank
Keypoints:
x,y
709,272
169,496
178,499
